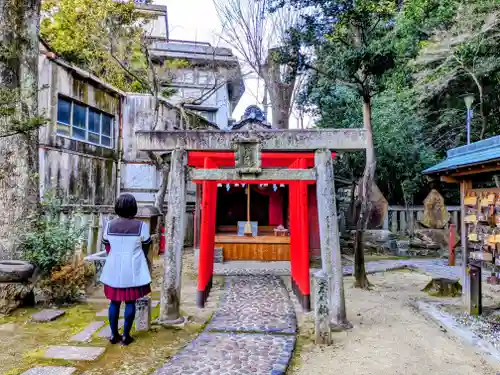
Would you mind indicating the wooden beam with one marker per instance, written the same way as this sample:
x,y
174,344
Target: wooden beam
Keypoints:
x,y
270,140
449,180
476,170
265,175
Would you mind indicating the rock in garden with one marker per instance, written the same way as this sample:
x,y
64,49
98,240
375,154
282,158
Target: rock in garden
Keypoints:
x,y
47,315
15,295
74,353
442,287
436,214
50,370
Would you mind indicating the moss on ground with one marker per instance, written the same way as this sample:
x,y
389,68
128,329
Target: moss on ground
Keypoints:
x,y
24,347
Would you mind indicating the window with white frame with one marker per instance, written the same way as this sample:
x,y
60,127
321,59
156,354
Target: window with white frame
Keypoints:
x,y
84,123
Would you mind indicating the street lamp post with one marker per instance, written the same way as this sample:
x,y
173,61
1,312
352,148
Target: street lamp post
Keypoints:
x,y
469,99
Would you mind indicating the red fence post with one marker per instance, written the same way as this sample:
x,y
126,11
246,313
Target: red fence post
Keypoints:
x,y
452,244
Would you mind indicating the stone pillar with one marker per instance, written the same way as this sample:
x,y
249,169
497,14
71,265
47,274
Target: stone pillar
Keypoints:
x,y
143,314
197,217
329,237
175,232
322,331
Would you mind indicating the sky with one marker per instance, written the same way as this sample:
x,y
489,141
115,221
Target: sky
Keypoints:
x,y
197,20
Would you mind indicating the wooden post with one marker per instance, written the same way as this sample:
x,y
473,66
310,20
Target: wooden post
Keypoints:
x,y
475,303
402,220
294,233
464,239
329,235
175,233
386,221
451,245
207,240
394,221
303,248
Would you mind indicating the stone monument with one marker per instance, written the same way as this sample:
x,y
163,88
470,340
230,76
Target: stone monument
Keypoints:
x,y
436,215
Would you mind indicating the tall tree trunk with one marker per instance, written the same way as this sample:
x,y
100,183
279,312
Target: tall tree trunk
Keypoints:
x,y
162,190
19,183
280,92
364,194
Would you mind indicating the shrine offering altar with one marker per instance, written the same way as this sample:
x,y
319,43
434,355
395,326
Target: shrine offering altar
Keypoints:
x,y
263,247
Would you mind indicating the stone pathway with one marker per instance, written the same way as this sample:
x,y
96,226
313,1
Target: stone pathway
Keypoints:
x,y
258,322
255,304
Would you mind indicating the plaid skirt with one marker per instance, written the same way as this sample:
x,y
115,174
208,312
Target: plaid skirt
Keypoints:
x,y
126,294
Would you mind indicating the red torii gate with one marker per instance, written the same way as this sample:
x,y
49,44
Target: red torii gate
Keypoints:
x,y
299,212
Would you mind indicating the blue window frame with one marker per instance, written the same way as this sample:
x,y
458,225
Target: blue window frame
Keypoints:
x,y
81,122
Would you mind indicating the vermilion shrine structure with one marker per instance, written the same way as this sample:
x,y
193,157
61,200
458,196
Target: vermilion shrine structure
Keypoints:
x,y
299,159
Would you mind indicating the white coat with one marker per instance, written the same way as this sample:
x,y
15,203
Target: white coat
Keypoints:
x,y
126,265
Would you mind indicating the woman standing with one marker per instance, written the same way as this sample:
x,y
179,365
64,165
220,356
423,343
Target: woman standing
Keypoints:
x,y
125,275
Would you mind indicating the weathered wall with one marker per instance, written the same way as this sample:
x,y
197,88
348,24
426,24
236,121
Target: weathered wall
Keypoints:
x,y
84,173
139,175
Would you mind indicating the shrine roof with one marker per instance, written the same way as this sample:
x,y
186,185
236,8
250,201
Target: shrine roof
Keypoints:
x,y
253,116
485,151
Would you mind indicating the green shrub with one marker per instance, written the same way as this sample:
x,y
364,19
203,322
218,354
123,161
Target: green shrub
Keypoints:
x,y
51,247
51,243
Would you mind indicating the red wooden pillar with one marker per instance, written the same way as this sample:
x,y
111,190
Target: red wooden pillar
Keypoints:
x,y
294,230
294,233
303,247
207,237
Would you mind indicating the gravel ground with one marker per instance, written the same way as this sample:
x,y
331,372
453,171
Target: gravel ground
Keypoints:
x,y
388,337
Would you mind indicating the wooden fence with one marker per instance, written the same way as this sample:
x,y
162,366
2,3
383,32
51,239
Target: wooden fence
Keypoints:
x,y
94,219
400,219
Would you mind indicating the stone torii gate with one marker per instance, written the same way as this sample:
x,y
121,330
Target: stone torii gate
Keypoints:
x,y
248,146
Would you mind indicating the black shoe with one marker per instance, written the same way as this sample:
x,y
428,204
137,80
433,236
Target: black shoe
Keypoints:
x,y
115,339
127,340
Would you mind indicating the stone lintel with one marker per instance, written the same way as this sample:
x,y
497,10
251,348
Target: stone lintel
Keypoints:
x,y
265,175
270,140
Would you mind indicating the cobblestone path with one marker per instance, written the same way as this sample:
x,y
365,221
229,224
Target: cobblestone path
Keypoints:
x,y
251,333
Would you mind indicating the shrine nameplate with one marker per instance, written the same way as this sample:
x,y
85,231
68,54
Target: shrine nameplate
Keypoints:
x,y
241,228
247,155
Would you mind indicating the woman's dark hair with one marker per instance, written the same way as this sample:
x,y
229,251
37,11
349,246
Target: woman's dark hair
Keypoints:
x,y
126,206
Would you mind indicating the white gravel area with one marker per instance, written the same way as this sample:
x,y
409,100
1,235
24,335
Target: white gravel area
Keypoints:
x,y
388,337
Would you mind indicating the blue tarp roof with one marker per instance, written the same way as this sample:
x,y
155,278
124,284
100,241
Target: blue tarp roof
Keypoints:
x,y
479,152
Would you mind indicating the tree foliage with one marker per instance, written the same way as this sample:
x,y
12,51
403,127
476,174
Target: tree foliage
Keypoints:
x,y
107,38
85,31
424,56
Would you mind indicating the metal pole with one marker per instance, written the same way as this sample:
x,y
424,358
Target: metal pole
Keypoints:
x,y
469,119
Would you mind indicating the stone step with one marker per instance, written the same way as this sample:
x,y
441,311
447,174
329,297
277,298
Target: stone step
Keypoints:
x,y
50,370
47,315
106,331
88,332
74,353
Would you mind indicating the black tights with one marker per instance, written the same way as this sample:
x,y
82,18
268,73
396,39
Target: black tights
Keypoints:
x,y
114,316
